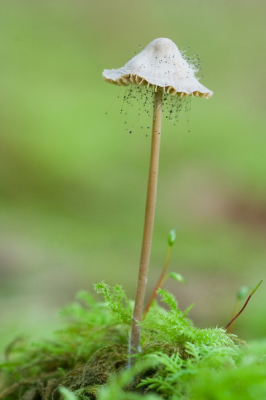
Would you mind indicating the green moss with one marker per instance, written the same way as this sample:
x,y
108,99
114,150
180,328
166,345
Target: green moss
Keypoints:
x,y
88,358
247,380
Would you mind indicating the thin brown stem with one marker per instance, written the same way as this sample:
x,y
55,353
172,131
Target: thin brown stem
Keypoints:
x,y
230,326
244,306
159,283
148,223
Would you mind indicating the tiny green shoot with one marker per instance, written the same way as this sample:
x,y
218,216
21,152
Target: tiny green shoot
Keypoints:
x,y
242,309
241,294
163,278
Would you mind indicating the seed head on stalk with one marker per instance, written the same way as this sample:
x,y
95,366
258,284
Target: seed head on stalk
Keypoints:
x,y
163,70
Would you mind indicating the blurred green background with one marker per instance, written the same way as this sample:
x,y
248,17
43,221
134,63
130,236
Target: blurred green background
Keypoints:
x,y
73,181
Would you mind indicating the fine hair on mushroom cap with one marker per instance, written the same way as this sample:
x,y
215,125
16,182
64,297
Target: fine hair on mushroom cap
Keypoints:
x,y
161,70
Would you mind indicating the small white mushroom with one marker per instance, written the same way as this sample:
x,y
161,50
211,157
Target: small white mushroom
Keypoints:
x,y
163,70
159,64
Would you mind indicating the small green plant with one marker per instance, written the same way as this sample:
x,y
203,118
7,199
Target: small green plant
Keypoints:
x,y
88,359
242,292
240,295
162,279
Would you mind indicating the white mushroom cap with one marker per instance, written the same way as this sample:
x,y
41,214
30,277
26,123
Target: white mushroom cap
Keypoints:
x,y
160,65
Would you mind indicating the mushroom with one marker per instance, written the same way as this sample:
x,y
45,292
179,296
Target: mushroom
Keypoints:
x,y
162,69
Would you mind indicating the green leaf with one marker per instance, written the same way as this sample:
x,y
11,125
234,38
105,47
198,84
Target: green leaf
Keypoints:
x,y
168,298
177,277
186,312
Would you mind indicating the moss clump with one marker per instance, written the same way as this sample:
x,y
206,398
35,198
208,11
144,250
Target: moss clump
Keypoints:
x,y
88,358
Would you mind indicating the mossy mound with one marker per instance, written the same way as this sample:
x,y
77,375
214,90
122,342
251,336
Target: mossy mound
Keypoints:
x,y
89,358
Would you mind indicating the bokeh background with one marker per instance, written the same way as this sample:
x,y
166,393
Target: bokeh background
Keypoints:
x,y
73,180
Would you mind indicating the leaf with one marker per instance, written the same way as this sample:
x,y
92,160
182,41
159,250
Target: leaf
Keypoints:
x,y
177,277
169,299
185,313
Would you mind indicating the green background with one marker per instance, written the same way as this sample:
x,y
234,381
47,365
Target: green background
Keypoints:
x,y
73,181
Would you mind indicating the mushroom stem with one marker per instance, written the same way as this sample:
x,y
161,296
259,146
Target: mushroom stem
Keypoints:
x,y
148,223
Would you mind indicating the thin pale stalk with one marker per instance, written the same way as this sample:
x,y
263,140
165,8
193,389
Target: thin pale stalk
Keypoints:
x,y
159,283
148,224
